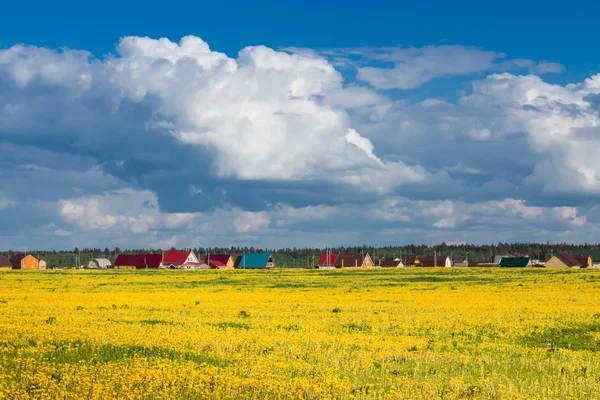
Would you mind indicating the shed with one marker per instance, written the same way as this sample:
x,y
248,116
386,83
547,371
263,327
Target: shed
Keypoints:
x,y
100,263
436,261
460,263
219,261
24,261
256,261
5,263
515,262
327,260
42,264
138,261
563,260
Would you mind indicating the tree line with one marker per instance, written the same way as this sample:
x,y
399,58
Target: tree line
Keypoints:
x,y
303,257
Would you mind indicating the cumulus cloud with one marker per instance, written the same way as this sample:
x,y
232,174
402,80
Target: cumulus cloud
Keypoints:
x,y
265,115
176,144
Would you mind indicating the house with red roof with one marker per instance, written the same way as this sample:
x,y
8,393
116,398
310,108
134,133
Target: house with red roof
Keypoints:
x,y
219,261
138,261
327,260
180,259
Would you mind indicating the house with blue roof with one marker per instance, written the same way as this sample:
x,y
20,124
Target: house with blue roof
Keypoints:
x,y
255,261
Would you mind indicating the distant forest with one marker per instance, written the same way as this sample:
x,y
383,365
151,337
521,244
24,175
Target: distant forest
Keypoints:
x,y
303,257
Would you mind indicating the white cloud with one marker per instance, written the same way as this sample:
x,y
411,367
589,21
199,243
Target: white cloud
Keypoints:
x,y
6,203
447,214
248,221
265,115
414,67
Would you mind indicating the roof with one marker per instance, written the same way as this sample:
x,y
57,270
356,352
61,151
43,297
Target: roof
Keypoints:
x,y
19,256
325,260
595,254
255,260
5,262
217,260
350,260
476,263
388,262
176,256
431,261
514,261
569,259
139,260
102,262
236,264
583,260
409,259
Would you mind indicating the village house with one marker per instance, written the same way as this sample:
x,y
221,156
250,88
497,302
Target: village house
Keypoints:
x,y
255,261
594,254
180,259
138,261
353,260
390,263
585,261
42,264
564,260
435,261
100,263
5,263
410,260
327,260
460,263
25,261
219,261
515,262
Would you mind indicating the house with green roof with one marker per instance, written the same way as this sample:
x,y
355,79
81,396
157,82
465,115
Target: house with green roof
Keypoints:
x,y
515,262
255,261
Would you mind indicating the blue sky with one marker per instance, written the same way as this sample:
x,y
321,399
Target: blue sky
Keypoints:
x,y
313,124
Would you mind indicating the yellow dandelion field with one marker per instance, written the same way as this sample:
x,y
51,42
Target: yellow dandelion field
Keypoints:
x,y
342,334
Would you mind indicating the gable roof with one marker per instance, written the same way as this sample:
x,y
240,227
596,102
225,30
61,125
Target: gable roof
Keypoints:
x,y
569,259
431,260
217,260
254,260
595,254
325,260
176,256
5,262
514,261
583,260
409,259
19,256
237,261
388,262
350,260
102,262
139,260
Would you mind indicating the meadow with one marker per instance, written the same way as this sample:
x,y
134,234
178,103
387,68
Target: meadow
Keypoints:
x,y
311,334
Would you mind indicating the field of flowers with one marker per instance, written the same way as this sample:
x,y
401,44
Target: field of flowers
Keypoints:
x,y
411,333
